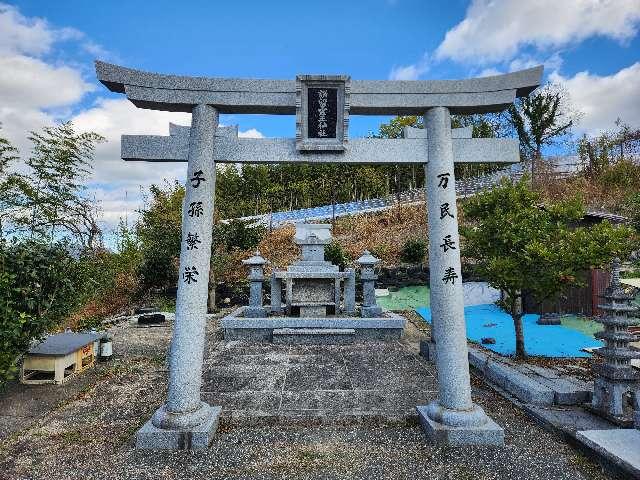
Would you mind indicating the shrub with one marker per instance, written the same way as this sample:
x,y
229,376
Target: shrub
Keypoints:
x,y
380,251
238,234
335,254
39,287
632,210
413,250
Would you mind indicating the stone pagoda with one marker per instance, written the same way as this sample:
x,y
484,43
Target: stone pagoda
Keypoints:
x,y
616,376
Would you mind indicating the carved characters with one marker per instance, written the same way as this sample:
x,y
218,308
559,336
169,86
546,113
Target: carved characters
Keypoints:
x,y
190,274
195,209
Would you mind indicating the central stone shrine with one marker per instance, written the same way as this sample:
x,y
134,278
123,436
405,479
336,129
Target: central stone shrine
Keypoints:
x,y
319,303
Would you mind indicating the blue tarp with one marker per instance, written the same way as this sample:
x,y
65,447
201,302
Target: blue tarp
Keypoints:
x,y
540,340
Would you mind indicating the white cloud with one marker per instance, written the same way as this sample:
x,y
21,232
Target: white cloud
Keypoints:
x,y
603,99
489,72
28,82
410,72
251,133
495,30
112,118
19,34
29,36
29,86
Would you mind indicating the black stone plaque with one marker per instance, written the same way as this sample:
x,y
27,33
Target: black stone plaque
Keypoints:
x,y
322,113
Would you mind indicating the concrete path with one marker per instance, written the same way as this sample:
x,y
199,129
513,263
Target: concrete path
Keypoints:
x,y
269,383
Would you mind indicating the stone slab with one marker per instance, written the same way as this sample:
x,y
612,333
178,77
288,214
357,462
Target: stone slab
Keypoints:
x,y
566,419
568,392
490,433
198,438
511,380
236,321
313,336
621,447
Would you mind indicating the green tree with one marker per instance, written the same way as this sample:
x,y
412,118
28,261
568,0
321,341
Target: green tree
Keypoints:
x,y
53,191
39,285
159,231
599,153
8,182
541,119
517,245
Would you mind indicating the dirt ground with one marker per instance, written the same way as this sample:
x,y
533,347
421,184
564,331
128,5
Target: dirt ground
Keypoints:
x,y
89,433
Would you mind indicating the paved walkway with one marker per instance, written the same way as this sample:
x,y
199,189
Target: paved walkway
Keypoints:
x,y
278,383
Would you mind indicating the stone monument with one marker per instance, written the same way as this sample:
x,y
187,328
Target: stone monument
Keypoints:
x,y
312,284
322,105
320,304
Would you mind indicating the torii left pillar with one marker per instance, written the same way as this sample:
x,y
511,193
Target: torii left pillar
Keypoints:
x,y
185,421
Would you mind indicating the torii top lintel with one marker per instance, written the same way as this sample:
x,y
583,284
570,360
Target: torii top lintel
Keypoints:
x,y
368,97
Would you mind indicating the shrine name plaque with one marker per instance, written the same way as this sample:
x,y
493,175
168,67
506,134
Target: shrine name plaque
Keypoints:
x,y
322,112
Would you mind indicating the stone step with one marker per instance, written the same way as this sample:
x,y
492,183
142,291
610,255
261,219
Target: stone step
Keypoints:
x,y
313,336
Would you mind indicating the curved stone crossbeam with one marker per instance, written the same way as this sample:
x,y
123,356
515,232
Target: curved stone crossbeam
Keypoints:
x,y
368,97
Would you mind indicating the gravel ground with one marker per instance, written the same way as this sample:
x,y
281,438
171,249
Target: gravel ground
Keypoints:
x,y
90,436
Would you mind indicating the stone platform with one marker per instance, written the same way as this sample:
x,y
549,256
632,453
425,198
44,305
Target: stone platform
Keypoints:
x,y
389,326
265,383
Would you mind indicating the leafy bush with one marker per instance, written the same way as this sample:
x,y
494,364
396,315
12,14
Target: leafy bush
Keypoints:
x,y
380,251
238,234
622,174
632,210
335,254
38,287
413,250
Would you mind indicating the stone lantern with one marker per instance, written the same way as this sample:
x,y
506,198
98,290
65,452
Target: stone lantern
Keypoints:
x,y
616,376
368,277
256,265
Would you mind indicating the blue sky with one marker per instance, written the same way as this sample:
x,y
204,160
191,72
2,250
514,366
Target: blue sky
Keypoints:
x,y
47,50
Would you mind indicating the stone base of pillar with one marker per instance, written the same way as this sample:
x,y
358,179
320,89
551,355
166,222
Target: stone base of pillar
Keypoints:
x,y
371,312
197,437
463,428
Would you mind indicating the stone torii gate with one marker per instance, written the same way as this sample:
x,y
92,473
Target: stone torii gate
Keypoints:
x,y
322,105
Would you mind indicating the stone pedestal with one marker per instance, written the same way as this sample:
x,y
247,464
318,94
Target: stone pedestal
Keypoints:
x,y
475,428
452,419
195,437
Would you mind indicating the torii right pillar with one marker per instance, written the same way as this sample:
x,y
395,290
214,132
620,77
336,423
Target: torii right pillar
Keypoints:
x,y
453,418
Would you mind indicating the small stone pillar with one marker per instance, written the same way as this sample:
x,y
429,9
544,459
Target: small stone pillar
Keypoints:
x,y
276,294
256,265
367,263
350,291
616,376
